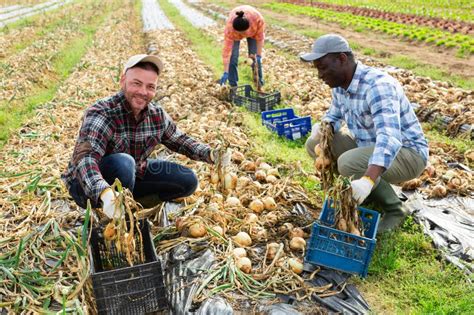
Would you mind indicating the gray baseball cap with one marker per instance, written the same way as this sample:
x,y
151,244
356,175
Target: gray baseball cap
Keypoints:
x,y
326,44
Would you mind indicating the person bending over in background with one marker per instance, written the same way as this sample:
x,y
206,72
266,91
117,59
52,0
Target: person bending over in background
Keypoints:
x,y
384,143
243,22
117,136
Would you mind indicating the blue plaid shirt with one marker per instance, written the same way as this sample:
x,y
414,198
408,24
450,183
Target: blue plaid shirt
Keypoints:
x,y
377,112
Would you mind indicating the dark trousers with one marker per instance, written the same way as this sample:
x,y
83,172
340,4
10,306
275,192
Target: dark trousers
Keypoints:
x,y
234,61
163,179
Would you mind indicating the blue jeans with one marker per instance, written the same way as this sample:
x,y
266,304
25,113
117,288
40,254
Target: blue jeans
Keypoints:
x,y
165,179
234,61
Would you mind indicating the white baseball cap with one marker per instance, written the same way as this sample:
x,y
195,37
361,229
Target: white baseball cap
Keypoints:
x,y
326,44
132,61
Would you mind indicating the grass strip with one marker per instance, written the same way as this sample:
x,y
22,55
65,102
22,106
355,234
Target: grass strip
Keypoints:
x,y
11,117
383,288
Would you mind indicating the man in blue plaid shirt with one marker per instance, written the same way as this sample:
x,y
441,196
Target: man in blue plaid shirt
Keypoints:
x,y
384,143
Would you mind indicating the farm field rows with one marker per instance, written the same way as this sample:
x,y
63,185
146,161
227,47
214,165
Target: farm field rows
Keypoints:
x,y
44,265
464,44
406,15
455,10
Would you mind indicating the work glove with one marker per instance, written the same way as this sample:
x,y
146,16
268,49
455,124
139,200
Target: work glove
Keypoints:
x,y
315,132
109,206
361,188
224,78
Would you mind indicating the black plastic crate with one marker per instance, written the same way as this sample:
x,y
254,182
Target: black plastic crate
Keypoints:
x,y
244,95
126,290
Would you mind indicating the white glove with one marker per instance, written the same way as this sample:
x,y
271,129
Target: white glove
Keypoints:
x,y
361,188
109,207
315,133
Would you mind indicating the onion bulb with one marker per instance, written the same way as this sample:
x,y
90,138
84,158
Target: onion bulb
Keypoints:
x,y
256,206
218,229
258,232
270,218
230,180
239,252
214,178
341,225
322,162
180,223
213,206
260,175
296,232
297,243
242,181
248,166
270,179
295,265
244,264
269,203
285,228
274,172
243,239
251,218
232,201
264,166
217,198
238,157
438,191
318,150
197,230
272,249
109,231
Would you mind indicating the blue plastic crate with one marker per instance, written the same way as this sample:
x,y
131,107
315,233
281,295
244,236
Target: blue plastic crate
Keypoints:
x,y
340,250
285,123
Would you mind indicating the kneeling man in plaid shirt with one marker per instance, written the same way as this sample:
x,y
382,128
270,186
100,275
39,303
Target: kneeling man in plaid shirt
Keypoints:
x,y
384,142
117,136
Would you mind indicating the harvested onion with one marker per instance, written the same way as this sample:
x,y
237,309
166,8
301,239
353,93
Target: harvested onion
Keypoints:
x,y
251,218
272,249
270,179
218,230
197,230
274,172
232,201
243,239
260,175
269,203
244,264
239,252
297,243
296,232
295,265
256,206
109,231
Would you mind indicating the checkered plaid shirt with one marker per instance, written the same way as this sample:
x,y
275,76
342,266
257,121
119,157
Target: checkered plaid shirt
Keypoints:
x,y
377,112
109,127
